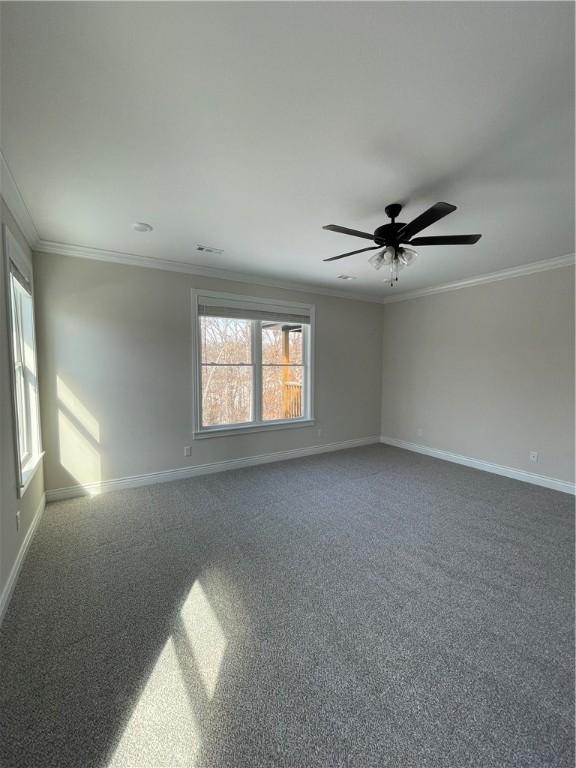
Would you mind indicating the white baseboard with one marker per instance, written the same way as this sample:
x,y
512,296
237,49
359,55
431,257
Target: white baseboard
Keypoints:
x,y
93,489
12,578
486,466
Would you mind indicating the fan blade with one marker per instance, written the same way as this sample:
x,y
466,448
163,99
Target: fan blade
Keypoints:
x,y
342,255
346,231
438,211
446,240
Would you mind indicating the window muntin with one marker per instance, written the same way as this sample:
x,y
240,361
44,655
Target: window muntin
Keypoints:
x,y
253,370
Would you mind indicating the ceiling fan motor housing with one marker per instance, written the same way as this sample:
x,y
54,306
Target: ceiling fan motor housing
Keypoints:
x,y
387,233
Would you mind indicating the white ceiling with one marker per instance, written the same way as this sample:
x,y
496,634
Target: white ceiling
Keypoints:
x,y
249,126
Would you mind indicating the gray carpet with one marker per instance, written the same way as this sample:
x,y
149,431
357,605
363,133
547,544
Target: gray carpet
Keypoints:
x,y
370,607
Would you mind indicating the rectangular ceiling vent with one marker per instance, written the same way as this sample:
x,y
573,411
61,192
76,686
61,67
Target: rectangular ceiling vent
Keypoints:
x,y
209,249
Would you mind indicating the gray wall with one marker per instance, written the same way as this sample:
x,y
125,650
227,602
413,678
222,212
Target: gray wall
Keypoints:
x,y
118,339
11,539
486,372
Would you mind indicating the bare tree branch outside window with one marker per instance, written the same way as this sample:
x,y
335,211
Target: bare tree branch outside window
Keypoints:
x,y
228,370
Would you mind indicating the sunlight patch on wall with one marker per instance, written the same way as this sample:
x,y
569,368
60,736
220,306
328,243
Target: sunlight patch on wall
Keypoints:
x,y
162,730
77,409
77,456
205,636
78,439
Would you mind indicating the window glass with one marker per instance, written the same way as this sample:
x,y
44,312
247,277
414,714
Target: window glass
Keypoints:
x,y
26,406
253,371
282,392
227,379
226,340
19,372
226,394
281,344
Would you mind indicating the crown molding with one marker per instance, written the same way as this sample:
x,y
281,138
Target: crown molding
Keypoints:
x,y
19,210
169,265
15,203
491,277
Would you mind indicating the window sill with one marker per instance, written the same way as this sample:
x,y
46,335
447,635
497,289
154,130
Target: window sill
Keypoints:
x,y
29,473
249,428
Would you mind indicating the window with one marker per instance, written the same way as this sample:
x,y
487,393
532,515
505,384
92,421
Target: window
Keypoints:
x,y
23,354
253,360
227,378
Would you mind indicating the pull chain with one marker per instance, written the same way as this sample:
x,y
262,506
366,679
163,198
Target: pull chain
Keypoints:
x,y
394,271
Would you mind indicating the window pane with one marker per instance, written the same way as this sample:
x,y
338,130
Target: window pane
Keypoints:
x,y
226,394
23,347
282,392
22,330
281,343
20,386
226,340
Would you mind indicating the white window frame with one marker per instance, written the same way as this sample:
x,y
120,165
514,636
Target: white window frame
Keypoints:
x,y
26,465
257,424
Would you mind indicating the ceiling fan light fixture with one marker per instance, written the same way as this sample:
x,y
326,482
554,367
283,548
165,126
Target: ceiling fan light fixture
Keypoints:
x,y
394,255
377,259
406,256
389,255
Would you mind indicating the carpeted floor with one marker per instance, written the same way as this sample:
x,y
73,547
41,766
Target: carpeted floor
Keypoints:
x,y
370,607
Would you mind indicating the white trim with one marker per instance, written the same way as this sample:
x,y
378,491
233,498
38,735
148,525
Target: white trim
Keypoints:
x,y
15,203
170,265
14,254
92,489
6,235
30,472
485,466
252,426
15,571
257,424
18,208
491,277
257,376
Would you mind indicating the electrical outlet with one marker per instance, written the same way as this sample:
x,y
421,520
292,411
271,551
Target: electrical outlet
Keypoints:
x,y
18,520
188,450
419,431
533,455
319,431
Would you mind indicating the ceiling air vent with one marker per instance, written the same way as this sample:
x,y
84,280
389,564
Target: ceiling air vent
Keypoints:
x,y
209,249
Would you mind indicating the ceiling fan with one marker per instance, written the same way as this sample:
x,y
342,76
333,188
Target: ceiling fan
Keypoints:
x,y
391,238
